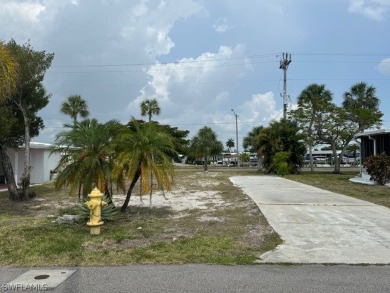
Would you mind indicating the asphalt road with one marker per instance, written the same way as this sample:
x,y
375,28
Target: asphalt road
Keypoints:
x,y
208,278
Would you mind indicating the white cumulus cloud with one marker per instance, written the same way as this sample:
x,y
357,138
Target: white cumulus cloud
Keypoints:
x,y
261,107
384,66
222,25
373,9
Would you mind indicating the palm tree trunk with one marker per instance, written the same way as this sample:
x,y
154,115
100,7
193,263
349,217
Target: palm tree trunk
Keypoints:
x,y
133,182
151,182
140,190
9,174
163,192
151,187
107,193
80,191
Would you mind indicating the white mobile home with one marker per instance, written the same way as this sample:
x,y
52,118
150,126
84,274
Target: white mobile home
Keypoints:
x,y
42,162
373,142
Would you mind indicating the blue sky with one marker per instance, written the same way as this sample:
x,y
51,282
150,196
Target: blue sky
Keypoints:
x,y
201,59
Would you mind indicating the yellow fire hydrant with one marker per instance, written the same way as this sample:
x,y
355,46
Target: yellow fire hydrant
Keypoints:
x,y
95,205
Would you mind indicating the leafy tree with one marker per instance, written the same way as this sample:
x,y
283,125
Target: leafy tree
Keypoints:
x,y
11,137
87,155
74,106
8,72
29,96
230,144
334,128
205,144
150,108
142,149
378,167
338,126
281,136
311,102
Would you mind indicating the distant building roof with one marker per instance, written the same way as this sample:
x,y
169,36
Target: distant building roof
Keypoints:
x,y
38,145
373,132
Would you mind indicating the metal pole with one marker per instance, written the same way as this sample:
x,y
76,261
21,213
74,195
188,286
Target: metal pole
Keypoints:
x,y
238,157
285,93
284,65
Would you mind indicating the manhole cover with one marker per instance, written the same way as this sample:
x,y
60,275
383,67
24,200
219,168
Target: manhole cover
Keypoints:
x,y
41,277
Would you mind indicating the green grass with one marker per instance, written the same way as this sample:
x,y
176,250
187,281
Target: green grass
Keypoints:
x,y
141,235
340,183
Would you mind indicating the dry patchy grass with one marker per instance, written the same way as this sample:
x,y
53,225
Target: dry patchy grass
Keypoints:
x,y
205,219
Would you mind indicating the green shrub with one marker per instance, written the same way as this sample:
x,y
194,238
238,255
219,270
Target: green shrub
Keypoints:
x,y
378,167
282,169
279,163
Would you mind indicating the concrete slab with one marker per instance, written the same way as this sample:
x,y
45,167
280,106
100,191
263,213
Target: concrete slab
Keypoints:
x,y
319,226
38,280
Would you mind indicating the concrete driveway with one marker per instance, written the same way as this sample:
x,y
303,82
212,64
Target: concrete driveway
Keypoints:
x,y
319,226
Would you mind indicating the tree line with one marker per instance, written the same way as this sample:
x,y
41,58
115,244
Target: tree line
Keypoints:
x,y
317,120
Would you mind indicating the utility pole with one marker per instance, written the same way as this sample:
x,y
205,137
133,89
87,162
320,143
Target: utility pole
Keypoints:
x,y
238,157
284,65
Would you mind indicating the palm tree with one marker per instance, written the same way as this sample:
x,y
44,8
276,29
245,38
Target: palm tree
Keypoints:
x,y
264,144
143,151
205,144
363,105
74,106
249,139
150,108
8,73
230,144
249,143
311,101
281,136
87,156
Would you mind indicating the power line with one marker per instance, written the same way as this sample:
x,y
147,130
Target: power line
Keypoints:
x,y
165,63
255,56
185,83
